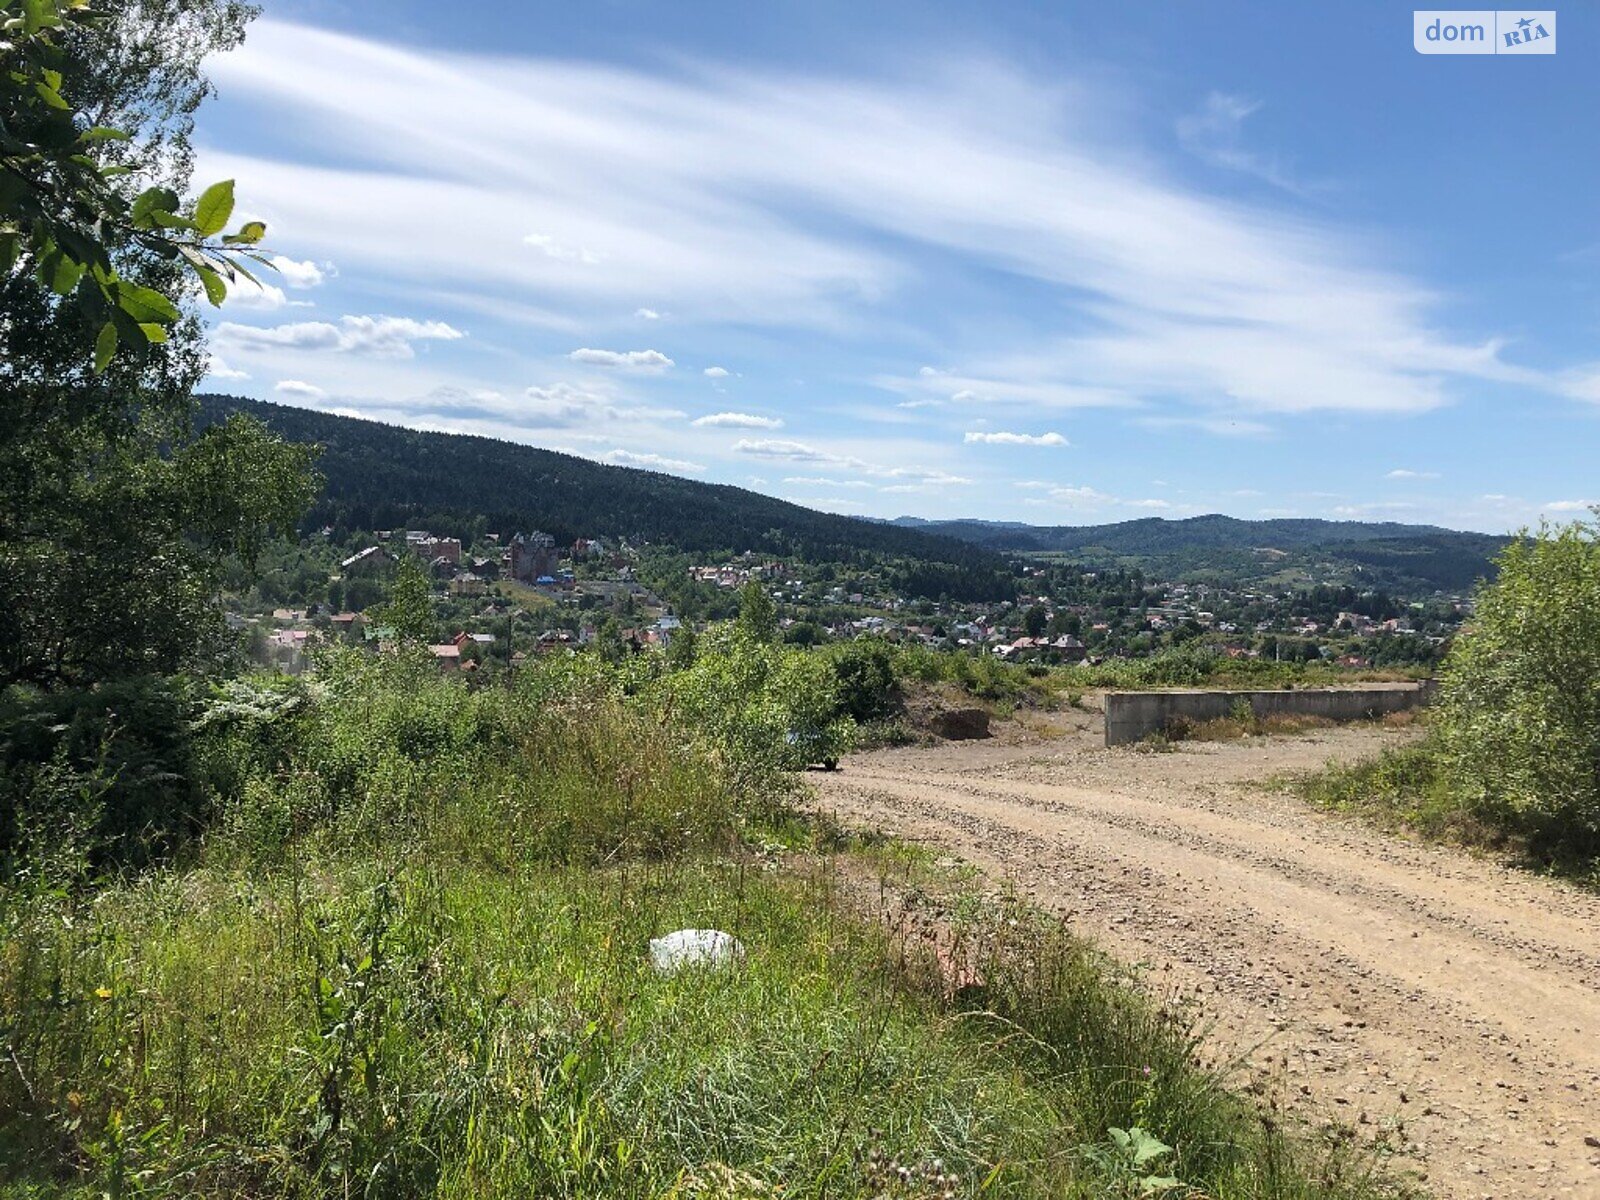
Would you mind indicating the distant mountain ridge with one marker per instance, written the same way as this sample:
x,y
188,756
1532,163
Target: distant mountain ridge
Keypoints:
x,y
1384,553
1154,535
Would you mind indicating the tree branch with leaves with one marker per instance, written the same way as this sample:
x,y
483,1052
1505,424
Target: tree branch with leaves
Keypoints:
x,y
64,213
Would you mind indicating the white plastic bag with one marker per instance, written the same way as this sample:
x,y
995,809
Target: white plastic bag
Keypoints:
x,y
693,948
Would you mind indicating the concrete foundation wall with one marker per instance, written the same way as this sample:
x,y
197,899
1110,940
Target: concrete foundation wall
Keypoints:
x,y
1131,716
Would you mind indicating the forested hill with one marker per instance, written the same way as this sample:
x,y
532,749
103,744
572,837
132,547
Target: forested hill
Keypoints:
x,y
383,476
1381,553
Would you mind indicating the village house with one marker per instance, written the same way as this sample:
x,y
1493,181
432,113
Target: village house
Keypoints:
x,y
533,557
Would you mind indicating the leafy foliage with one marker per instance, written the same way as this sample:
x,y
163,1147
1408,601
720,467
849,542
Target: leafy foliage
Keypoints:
x,y
111,547
765,708
409,611
758,615
1519,719
63,210
865,675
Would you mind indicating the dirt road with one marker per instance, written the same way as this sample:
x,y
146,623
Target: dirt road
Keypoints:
x,y
1380,984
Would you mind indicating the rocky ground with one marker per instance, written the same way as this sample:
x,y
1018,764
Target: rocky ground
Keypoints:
x,y
1443,1005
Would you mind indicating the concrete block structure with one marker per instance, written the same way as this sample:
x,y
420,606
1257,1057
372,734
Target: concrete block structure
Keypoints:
x,y
1131,716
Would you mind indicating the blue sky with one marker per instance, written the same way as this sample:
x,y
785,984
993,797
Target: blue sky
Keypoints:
x,y
1065,267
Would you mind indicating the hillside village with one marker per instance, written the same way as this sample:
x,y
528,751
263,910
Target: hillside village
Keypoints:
x,y
502,597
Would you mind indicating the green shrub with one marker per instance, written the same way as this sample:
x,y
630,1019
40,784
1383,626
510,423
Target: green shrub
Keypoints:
x,y
762,708
112,762
864,674
1519,713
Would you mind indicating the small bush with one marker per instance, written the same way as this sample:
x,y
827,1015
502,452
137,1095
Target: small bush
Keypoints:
x,y
113,762
864,670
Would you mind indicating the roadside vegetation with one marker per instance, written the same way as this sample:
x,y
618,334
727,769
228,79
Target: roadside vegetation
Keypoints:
x,y
394,941
1511,757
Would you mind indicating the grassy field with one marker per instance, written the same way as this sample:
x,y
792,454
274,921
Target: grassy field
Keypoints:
x,y
409,957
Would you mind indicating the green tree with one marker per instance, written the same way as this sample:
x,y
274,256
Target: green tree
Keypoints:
x,y
1519,714
681,649
608,643
1034,621
758,615
116,518
409,611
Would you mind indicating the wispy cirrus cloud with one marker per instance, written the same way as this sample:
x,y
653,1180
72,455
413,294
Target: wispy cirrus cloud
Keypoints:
x,y
786,199
1215,133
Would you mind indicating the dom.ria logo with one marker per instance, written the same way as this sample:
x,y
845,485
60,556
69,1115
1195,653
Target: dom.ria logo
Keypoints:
x,y
1484,31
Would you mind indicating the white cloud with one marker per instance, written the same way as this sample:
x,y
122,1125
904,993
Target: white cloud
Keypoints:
x,y
259,296
1155,503
301,274
785,450
715,372
1570,506
1373,508
1582,383
1016,439
566,405
799,452
550,248
648,314
644,360
1079,496
734,420
941,478
299,389
656,462
822,481
385,337
1404,473
217,368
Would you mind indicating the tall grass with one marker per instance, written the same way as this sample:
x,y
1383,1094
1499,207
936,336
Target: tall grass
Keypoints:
x,y
408,957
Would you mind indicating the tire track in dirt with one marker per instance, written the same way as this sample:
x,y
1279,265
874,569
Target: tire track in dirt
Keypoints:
x,y
1392,987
